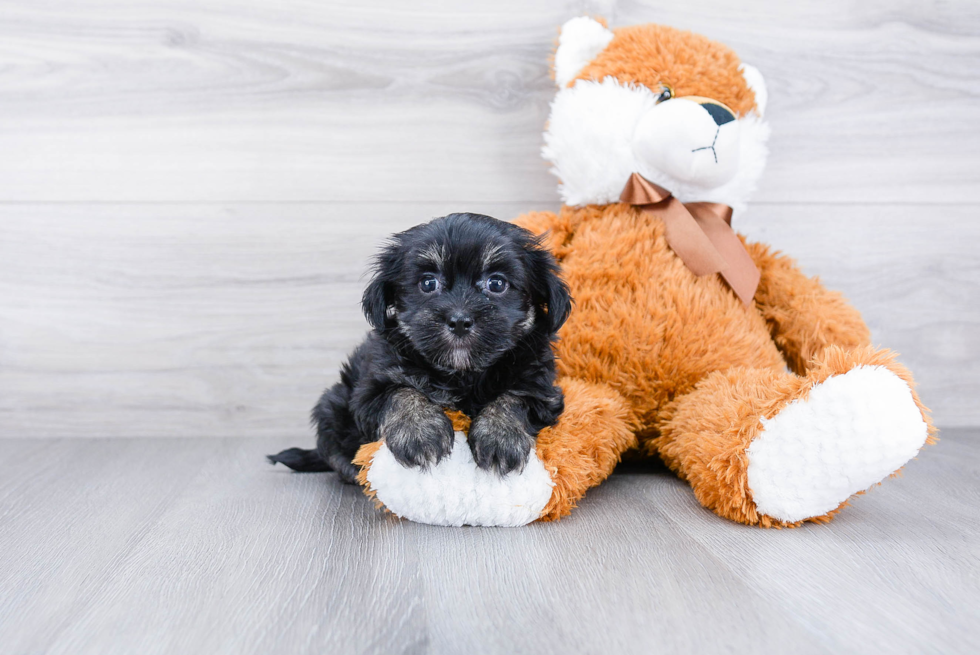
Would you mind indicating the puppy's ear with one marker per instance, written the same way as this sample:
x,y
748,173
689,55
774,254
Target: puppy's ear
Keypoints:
x,y
379,295
374,303
547,287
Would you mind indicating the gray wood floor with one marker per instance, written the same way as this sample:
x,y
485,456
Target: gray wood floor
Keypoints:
x,y
198,546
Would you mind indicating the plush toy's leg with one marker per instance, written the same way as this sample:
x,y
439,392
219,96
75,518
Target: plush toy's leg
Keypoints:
x,y
576,454
586,444
774,449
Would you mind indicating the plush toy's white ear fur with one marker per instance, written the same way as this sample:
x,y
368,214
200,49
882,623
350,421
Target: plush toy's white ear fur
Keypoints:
x,y
758,85
581,39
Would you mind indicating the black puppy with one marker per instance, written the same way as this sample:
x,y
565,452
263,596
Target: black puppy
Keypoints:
x,y
464,310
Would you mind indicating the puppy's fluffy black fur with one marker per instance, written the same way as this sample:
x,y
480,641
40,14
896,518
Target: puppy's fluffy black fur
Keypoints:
x,y
464,309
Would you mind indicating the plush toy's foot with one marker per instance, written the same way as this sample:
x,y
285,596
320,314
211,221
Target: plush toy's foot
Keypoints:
x,y
851,432
456,492
575,455
776,449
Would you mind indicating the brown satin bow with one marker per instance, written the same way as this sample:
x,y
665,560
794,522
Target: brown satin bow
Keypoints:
x,y
700,233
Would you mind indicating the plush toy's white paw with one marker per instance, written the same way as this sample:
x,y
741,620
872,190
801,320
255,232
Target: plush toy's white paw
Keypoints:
x,y
853,431
456,492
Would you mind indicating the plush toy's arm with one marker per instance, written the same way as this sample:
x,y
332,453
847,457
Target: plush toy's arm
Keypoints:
x,y
803,316
573,456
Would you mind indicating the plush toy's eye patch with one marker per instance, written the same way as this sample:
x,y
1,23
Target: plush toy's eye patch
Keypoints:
x,y
720,113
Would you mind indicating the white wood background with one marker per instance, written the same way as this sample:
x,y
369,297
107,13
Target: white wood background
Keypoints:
x,y
189,190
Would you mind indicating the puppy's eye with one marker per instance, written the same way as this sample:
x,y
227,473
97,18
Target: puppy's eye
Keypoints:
x,y
429,283
496,284
666,93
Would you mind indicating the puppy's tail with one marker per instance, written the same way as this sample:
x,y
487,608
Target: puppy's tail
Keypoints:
x,y
300,459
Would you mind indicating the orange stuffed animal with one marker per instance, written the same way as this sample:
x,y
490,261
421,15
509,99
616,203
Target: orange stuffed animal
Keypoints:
x,y
682,332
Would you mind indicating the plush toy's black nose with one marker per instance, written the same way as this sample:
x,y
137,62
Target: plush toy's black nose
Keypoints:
x,y
460,324
721,115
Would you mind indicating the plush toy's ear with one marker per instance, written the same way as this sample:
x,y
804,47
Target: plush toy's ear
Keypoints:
x,y
547,287
378,300
758,85
581,39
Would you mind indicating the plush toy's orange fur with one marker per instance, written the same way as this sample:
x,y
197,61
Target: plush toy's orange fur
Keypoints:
x,y
688,368
584,448
683,368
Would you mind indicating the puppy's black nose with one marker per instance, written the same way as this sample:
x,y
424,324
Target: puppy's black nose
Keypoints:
x,y
460,324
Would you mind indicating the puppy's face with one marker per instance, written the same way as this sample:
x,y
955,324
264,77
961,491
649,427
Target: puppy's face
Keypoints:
x,y
465,289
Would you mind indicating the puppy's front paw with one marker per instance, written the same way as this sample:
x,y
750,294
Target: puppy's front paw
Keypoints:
x,y
417,432
500,438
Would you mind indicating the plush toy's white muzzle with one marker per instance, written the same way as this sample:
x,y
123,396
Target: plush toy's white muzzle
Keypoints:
x,y
600,133
685,140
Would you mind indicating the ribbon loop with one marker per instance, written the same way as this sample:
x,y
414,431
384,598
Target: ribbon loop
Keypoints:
x,y
641,191
699,233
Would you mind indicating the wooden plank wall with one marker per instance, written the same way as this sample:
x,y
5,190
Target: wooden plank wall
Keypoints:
x,y
189,191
